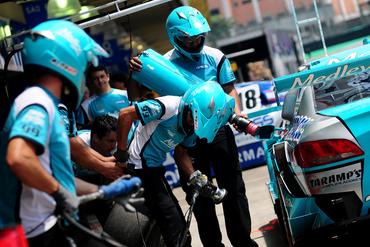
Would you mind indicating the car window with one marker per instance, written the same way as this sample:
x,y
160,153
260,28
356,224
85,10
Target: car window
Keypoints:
x,y
342,91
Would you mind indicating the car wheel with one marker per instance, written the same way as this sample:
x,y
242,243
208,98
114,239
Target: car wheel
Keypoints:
x,y
132,229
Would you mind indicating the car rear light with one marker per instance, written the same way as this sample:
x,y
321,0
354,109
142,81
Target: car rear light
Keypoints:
x,y
315,153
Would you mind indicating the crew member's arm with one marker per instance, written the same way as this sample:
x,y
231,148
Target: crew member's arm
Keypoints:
x,y
183,160
87,157
134,90
27,139
145,111
23,161
226,78
230,90
126,117
182,157
84,155
84,187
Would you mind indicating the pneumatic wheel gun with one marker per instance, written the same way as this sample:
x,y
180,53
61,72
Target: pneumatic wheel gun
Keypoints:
x,y
202,186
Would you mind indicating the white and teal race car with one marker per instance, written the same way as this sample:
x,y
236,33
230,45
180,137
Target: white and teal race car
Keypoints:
x,y
319,164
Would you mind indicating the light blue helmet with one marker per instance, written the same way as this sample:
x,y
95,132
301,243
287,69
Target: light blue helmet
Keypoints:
x,y
210,106
186,21
63,48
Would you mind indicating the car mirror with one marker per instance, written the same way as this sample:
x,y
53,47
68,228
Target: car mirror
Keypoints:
x,y
288,110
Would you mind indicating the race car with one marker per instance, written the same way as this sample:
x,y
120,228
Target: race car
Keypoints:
x,y
319,164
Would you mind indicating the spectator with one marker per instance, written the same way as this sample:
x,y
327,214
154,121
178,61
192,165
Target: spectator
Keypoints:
x,y
106,100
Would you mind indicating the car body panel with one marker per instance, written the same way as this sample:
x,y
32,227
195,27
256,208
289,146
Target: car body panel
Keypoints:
x,y
329,102
341,67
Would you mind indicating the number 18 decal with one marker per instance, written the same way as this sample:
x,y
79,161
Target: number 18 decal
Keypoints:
x,y
250,98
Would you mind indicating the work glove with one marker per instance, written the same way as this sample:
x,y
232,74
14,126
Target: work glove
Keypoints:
x,y
66,201
204,187
121,155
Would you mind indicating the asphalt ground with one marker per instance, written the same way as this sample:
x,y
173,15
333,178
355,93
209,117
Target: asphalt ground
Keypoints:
x,y
265,228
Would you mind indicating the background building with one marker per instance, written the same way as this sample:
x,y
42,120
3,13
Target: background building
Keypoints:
x,y
267,27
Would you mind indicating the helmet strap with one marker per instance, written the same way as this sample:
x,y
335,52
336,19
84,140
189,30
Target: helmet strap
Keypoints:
x,y
68,98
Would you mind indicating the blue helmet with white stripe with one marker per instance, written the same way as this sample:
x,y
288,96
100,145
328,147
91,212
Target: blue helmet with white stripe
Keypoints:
x,y
210,109
63,48
187,23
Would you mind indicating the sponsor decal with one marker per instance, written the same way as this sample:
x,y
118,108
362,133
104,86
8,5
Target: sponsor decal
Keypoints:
x,y
150,110
342,179
35,117
342,71
202,66
64,66
170,143
251,154
299,123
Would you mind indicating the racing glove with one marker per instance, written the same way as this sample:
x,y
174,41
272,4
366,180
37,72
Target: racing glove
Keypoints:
x,y
204,187
66,202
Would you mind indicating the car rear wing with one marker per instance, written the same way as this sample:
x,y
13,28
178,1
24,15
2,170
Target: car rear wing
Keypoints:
x,y
329,68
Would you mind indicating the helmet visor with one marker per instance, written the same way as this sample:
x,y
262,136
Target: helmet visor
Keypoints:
x,y
191,39
191,44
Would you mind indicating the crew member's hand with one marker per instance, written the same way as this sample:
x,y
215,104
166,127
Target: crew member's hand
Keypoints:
x,y
198,179
66,201
109,158
135,64
243,115
110,170
121,155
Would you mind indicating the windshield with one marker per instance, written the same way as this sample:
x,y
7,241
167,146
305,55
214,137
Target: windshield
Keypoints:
x,y
342,91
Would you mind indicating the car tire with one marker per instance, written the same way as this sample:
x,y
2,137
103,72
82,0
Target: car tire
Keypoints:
x,y
133,228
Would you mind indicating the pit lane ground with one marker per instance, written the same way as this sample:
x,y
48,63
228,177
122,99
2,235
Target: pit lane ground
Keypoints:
x,y
265,228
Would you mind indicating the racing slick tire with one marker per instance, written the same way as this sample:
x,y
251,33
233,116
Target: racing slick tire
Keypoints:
x,y
133,228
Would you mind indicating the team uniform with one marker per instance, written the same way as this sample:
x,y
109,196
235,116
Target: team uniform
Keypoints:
x,y
35,119
222,153
157,133
109,103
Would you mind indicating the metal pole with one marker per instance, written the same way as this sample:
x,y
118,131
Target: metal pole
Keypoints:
x,y
298,31
121,13
320,28
99,20
97,8
257,11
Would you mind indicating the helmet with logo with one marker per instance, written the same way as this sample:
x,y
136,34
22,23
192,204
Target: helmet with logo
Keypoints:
x,y
187,23
210,109
63,48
